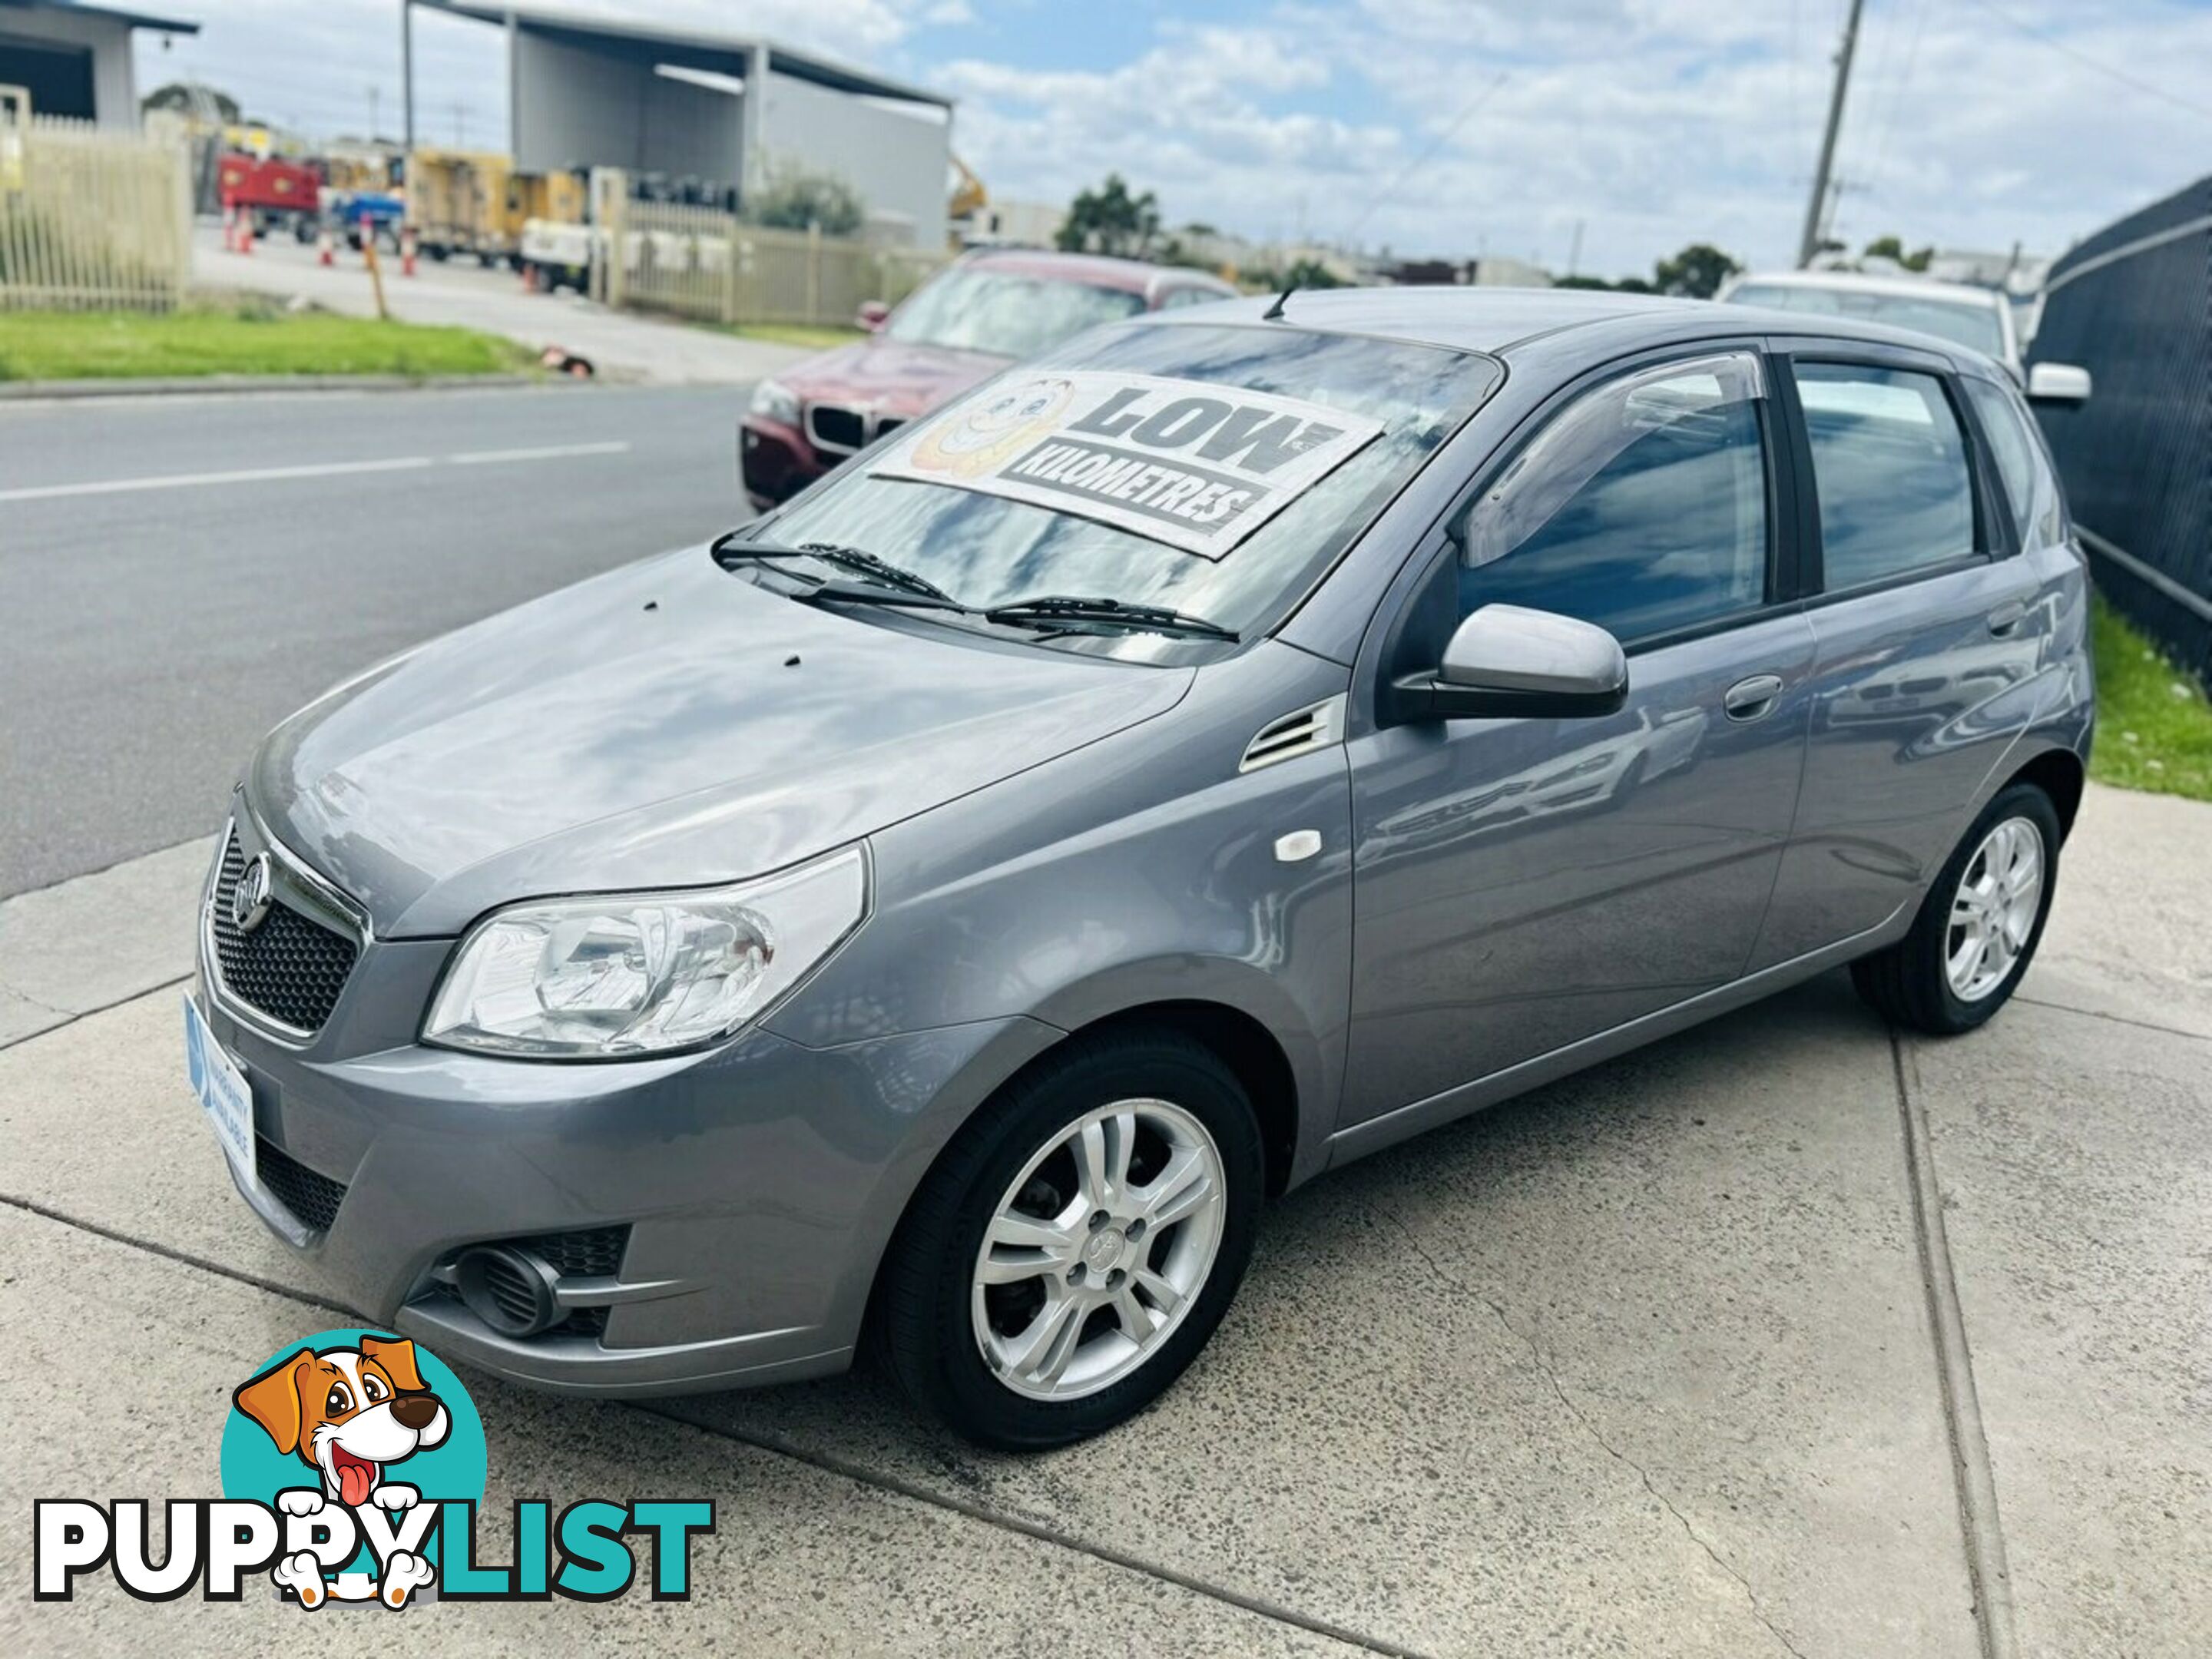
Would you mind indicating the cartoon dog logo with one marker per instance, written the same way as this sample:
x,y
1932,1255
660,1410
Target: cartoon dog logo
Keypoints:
x,y
349,1414
995,429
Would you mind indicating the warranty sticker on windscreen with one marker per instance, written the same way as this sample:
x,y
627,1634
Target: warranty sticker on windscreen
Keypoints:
x,y
1197,465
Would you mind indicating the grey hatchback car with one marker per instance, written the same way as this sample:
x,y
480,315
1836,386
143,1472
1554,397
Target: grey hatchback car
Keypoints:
x,y
948,906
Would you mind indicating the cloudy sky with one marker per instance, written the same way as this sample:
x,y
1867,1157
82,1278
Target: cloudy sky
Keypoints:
x,y
1432,126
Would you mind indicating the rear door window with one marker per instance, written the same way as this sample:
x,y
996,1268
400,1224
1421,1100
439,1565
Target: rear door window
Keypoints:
x,y
1889,466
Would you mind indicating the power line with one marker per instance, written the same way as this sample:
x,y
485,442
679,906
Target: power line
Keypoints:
x,y
1480,98
2102,68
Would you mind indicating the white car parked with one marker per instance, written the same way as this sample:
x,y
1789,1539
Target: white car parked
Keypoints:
x,y
1980,318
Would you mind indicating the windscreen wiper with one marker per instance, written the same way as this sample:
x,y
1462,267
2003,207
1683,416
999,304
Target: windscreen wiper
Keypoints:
x,y
846,558
904,599
1055,609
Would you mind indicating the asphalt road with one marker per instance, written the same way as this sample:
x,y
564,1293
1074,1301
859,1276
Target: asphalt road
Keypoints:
x,y
164,599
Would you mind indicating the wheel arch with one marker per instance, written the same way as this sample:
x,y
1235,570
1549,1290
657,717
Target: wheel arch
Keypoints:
x,y
2060,775
1252,1050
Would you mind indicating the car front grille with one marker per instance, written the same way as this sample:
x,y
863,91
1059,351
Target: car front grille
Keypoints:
x,y
314,1199
840,430
291,968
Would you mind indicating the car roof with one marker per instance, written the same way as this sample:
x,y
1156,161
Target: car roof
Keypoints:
x,y
1098,270
1510,322
1865,281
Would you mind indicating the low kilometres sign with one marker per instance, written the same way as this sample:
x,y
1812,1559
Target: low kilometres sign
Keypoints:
x,y
1196,465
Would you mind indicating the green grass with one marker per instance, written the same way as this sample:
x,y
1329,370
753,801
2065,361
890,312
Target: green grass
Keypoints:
x,y
818,336
77,345
2154,723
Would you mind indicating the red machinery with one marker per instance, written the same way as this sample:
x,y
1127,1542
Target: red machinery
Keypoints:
x,y
272,193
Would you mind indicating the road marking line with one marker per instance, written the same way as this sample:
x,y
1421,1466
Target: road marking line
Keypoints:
x,y
321,470
551,453
198,480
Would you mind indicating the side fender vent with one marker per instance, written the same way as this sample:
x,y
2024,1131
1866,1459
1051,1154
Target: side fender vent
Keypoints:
x,y
1299,733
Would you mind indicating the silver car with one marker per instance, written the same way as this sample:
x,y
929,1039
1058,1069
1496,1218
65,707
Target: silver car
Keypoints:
x,y
951,905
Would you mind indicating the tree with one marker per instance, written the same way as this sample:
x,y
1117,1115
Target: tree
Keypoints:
x,y
791,198
1109,220
1300,273
1696,273
1892,247
1595,283
185,97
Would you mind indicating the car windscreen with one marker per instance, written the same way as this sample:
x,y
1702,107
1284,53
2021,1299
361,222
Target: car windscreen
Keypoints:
x,y
1003,311
1398,401
1962,323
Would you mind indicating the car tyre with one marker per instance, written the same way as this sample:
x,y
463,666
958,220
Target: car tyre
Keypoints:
x,y
1017,1159
1931,980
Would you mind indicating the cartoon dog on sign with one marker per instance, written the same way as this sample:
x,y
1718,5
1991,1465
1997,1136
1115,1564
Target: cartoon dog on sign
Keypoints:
x,y
349,1414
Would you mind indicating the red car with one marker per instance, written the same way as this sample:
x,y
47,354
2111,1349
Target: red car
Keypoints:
x,y
964,325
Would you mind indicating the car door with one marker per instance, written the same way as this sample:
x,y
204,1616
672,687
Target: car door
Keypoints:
x,y
1523,884
1928,633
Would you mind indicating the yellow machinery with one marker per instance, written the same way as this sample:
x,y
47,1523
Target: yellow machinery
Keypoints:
x,y
558,196
968,197
457,200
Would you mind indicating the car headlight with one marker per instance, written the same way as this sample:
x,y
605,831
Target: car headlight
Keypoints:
x,y
626,975
774,401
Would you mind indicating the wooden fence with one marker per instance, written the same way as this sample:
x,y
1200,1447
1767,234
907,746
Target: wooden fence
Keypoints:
x,y
90,219
701,263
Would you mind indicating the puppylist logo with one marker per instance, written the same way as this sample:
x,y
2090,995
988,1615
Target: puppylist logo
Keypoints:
x,y
353,1464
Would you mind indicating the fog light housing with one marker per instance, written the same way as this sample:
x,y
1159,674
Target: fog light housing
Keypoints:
x,y
510,1290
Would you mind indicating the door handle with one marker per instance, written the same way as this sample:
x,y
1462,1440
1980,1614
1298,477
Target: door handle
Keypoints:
x,y
2006,617
1752,699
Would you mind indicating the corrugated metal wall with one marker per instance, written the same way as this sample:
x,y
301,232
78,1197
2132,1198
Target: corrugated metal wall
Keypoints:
x,y
2133,305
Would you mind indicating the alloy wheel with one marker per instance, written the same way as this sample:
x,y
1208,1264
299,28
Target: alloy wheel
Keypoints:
x,y
1098,1249
1993,913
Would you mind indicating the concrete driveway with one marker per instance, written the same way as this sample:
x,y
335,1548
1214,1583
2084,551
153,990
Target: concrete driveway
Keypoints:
x,y
1786,1336
618,343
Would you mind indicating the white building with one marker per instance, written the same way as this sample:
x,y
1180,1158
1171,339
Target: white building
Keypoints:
x,y
1012,224
590,90
74,58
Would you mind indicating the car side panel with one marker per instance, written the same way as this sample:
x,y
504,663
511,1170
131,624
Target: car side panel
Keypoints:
x,y
1524,884
1916,701
1136,870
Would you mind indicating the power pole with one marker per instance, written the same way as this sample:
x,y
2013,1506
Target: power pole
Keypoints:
x,y
1575,251
1809,243
407,69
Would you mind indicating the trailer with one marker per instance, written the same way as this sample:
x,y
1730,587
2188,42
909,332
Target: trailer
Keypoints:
x,y
457,202
274,194
381,211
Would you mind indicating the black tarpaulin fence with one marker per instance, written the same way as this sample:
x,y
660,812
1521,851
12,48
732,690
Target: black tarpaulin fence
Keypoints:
x,y
2133,305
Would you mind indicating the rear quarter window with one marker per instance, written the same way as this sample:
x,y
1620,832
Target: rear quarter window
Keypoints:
x,y
2028,485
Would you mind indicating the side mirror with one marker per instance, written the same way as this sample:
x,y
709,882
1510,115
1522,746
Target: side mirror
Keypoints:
x,y
1507,661
874,314
2057,383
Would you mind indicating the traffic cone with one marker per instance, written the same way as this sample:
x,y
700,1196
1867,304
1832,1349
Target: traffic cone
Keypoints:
x,y
246,231
325,247
230,229
407,251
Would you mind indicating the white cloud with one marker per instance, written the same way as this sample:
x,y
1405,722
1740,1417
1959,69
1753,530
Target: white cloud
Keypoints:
x,y
1651,123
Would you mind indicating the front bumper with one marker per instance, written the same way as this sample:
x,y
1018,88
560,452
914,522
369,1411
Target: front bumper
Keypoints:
x,y
776,461
760,1182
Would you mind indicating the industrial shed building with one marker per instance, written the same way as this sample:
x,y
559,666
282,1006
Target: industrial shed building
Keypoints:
x,y
587,90
74,57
